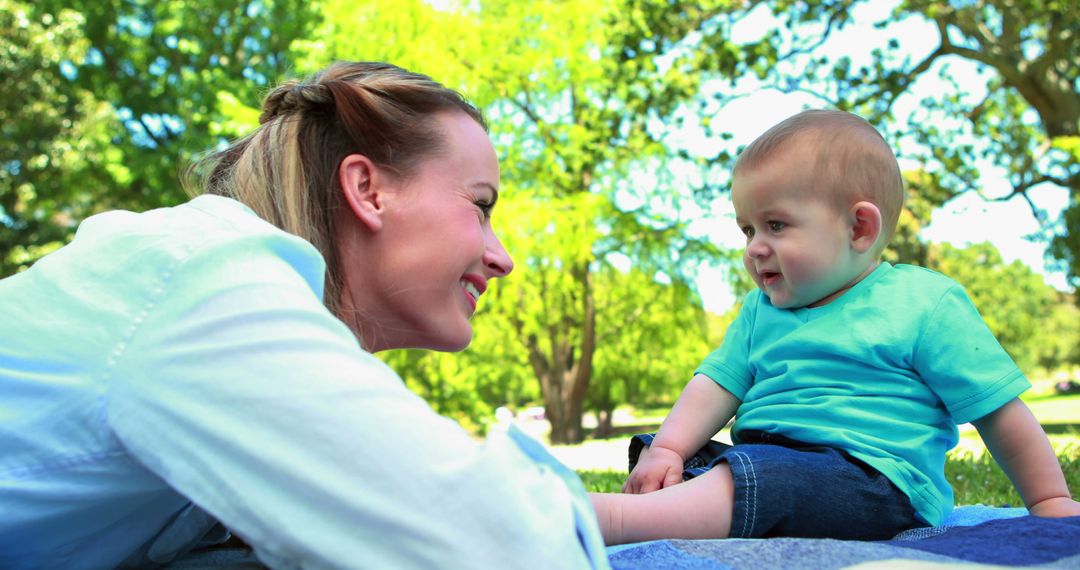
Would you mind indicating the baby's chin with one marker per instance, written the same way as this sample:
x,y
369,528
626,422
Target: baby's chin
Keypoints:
x,y
789,305
787,302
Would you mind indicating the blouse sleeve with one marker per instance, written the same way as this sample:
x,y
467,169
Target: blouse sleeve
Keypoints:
x,y
242,392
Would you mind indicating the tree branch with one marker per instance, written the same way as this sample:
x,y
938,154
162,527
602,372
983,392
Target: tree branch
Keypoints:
x,y
146,128
834,18
1022,191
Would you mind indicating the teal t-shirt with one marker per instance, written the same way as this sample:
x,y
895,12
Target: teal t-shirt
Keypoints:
x,y
885,373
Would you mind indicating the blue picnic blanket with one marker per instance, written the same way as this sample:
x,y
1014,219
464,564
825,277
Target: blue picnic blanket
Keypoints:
x,y
973,535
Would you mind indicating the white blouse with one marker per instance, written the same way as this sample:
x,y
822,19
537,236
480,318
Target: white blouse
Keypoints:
x,y
175,368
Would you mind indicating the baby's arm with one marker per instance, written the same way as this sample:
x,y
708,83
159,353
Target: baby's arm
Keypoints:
x,y
1016,440
703,408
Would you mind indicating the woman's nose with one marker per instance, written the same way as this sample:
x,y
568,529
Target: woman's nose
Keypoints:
x,y
496,258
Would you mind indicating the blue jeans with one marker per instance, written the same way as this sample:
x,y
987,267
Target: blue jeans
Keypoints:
x,y
787,488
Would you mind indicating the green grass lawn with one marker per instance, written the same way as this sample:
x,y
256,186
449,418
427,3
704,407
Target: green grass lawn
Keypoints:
x,y
976,478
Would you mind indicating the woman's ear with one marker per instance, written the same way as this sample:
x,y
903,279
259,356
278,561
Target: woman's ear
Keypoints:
x,y
362,184
865,226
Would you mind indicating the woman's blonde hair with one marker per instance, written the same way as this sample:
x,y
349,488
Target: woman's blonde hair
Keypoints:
x,y
287,169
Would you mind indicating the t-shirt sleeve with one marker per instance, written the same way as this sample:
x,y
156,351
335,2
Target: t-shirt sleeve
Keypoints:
x,y
960,359
729,365
242,392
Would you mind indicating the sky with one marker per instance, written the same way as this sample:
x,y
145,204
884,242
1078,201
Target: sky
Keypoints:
x,y
963,221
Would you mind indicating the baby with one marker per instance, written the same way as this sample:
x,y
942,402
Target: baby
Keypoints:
x,y
847,376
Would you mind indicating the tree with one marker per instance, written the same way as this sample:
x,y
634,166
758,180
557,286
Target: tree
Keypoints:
x,y
651,336
923,193
1012,299
1024,117
582,97
52,132
1059,343
114,97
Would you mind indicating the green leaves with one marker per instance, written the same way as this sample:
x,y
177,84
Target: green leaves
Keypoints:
x,y
1024,98
1013,300
46,125
580,96
111,98
237,118
589,104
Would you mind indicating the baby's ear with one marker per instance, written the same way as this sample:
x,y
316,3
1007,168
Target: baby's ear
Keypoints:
x,y
865,220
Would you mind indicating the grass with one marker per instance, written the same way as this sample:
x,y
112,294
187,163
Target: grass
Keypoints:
x,y
602,481
976,478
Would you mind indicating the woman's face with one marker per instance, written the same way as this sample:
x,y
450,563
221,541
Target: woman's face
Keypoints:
x,y
435,251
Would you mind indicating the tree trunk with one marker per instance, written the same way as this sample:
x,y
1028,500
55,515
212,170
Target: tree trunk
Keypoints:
x,y
604,426
566,423
564,373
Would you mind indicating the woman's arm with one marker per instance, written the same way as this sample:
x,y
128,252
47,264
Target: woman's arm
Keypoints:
x,y
1019,445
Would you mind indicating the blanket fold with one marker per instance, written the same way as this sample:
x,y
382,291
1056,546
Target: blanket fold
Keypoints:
x,y
973,536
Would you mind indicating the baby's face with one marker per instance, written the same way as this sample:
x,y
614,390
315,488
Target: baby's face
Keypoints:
x,y
798,247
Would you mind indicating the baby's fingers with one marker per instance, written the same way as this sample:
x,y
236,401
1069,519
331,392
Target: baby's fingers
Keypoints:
x,y
649,485
639,483
672,477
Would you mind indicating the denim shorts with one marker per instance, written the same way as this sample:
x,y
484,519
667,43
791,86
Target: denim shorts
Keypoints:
x,y
787,488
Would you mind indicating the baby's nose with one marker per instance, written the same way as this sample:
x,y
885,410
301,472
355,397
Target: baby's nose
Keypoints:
x,y
757,248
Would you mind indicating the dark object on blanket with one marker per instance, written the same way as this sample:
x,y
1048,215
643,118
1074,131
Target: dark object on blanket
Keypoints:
x,y
1067,387
1019,541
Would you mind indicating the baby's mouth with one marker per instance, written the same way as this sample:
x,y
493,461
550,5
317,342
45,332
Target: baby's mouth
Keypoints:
x,y
770,277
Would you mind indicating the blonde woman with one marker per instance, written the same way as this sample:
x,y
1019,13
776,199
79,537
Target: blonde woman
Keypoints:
x,y
173,373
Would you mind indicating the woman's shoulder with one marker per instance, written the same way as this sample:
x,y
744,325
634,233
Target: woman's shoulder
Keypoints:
x,y
130,255
206,225
200,220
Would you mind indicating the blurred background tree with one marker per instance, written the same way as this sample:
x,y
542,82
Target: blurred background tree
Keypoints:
x,y
106,101
1013,300
602,114
1022,116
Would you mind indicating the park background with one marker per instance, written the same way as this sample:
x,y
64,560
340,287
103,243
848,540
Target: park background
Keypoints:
x,y
616,123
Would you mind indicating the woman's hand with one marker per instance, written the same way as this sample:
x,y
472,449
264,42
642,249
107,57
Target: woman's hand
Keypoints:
x,y
657,467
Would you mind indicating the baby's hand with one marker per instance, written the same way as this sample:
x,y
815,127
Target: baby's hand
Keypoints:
x,y
657,468
1055,508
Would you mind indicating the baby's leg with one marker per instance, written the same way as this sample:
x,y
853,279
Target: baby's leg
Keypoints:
x,y
698,508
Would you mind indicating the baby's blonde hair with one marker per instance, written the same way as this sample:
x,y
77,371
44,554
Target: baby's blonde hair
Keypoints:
x,y
851,161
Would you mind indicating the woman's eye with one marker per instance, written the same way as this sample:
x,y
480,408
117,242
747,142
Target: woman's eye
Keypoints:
x,y
485,207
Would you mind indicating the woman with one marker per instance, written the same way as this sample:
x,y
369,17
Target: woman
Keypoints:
x,y
211,362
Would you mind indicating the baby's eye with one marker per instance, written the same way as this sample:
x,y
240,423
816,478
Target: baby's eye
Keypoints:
x,y
776,226
747,231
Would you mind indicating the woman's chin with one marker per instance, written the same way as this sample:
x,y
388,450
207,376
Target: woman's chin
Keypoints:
x,y
455,341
